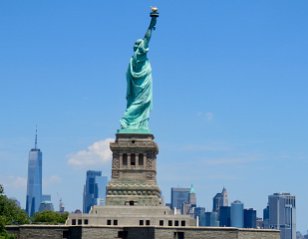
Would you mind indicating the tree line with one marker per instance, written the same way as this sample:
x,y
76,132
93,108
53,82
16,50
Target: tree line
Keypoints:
x,y
12,214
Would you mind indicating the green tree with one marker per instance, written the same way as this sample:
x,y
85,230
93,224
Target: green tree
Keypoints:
x,y
49,217
10,214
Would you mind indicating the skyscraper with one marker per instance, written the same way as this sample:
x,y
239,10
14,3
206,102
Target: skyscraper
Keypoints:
x,y
200,215
94,190
211,219
250,218
179,196
282,211
192,197
225,216
34,185
237,214
220,199
46,204
191,204
61,206
266,217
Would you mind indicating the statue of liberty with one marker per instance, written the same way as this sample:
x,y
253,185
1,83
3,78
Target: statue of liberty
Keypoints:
x,y
139,85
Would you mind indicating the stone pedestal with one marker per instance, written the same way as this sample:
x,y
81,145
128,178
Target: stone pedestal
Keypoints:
x,y
133,180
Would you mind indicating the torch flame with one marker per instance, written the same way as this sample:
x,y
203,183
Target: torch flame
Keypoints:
x,y
154,9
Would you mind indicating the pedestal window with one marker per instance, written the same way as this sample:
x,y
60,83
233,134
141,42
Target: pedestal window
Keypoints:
x,y
133,160
124,159
140,159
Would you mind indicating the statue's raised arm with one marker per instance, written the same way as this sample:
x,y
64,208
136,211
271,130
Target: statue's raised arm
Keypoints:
x,y
139,85
148,34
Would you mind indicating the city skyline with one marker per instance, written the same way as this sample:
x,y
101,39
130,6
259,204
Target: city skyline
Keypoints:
x,y
230,82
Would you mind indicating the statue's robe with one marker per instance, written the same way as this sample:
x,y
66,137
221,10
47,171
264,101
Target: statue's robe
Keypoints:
x,y
139,91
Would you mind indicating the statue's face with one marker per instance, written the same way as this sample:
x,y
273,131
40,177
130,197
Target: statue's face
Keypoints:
x,y
137,44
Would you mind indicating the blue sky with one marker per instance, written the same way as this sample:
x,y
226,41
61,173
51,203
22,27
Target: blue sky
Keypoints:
x,y
230,94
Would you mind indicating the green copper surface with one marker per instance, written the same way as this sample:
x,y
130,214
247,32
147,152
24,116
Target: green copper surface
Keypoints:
x,y
134,131
139,93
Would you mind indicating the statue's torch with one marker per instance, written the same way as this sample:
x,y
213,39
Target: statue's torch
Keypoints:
x,y
154,12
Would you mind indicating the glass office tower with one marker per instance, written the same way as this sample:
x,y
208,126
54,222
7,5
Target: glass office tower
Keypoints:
x,y
220,199
94,190
237,214
282,214
34,185
225,216
250,218
179,196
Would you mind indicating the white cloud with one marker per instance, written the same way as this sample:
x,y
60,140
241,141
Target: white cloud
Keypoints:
x,y
209,116
15,182
51,180
96,154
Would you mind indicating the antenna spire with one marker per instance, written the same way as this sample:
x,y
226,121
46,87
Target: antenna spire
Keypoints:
x,y
35,145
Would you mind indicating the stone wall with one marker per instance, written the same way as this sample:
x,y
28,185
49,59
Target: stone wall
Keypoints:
x,y
38,231
214,233
140,232
100,232
197,233
112,232
258,234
